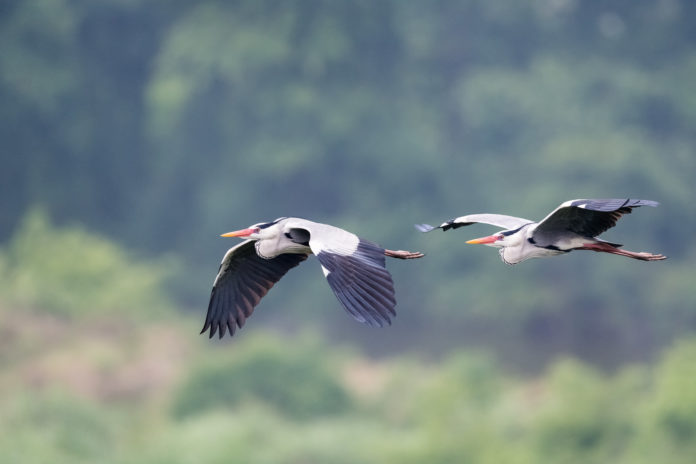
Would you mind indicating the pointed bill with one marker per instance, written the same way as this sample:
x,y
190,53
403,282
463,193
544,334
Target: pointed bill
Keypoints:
x,y
484,240
239,233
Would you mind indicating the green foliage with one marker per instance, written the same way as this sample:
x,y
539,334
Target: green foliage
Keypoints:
x,y
69,272
585,417
254,434
52,427
298,382
675,402
298,401
193,118
161,124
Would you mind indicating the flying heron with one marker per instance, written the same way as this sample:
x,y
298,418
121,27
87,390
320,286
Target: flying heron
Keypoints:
x,y
574,225
354,268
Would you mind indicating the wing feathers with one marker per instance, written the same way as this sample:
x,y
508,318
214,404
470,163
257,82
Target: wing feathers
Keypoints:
x,y
610,204
499,220
356,305
361,300
377,278
377,288
243,279
360,305
379,293
361,282
589,218
424,227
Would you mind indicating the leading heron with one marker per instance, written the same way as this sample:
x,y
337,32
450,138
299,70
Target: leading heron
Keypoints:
x,y
574,225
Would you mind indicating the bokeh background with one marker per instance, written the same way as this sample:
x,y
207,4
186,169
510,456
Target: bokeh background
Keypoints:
x,y
134,132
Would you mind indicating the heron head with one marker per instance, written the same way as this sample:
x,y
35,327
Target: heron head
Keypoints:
x,y
499,239
259,231
496,240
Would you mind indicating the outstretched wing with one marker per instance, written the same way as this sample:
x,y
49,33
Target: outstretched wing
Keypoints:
x,y
355,270
588,218
499,220
243,279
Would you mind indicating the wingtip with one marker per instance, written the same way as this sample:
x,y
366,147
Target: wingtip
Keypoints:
x,y
213,331
638,202
424,227
205,327
379,323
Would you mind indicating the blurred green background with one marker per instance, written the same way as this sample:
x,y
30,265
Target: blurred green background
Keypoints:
x,y
134,132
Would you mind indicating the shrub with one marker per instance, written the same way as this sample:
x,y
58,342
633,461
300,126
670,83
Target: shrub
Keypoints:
x,y
69,272
297,382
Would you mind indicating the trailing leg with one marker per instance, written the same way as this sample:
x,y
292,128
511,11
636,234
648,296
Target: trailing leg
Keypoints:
x,y
607,248
401,254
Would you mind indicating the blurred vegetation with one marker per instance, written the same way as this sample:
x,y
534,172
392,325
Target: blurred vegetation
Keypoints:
x,y
224,403
269,372
70,272
162,124
135,132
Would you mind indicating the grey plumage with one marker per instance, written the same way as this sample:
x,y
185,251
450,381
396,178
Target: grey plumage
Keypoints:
x,y
354,268
361,283
500,220
574,225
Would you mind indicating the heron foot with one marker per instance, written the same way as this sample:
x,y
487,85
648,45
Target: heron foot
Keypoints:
x,y
402,254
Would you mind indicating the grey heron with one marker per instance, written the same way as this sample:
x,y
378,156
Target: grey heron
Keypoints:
x,y
354,268
574,225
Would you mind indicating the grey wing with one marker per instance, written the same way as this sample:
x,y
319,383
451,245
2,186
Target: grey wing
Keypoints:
x,y
499,220
355,270
589,218
243,279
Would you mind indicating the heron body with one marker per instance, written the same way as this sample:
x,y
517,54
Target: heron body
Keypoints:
x,y
574,225
353,267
